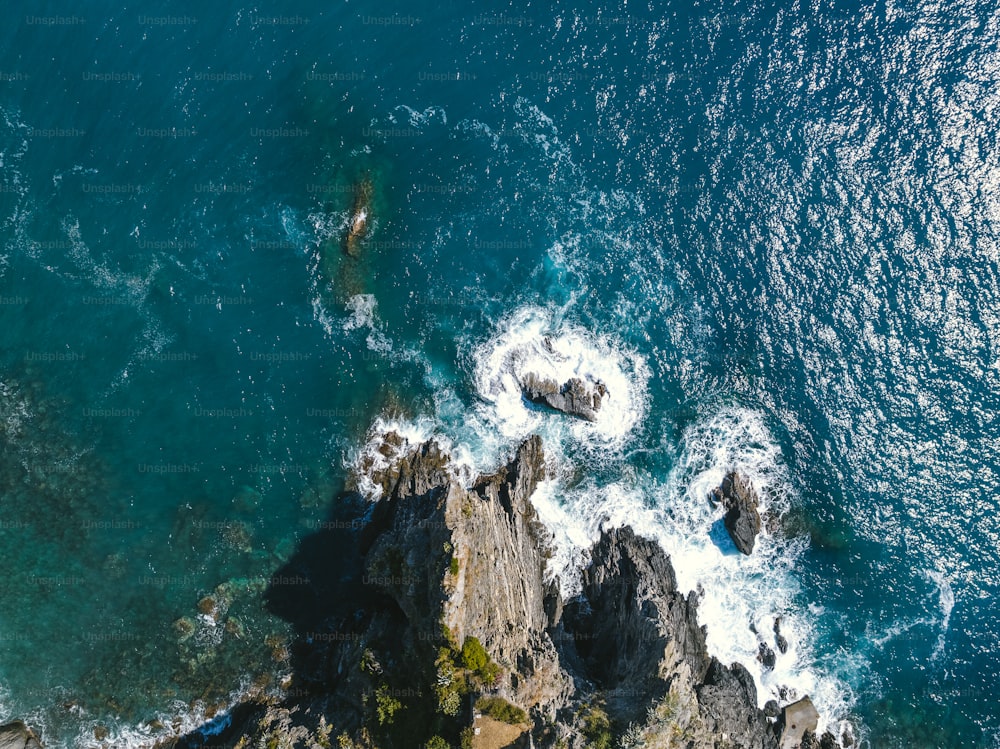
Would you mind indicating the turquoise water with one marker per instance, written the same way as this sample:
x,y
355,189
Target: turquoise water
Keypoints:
x,y
774,224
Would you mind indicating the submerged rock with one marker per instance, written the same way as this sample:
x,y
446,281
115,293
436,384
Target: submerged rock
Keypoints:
x,y
742,519
576,397
16,735
360,218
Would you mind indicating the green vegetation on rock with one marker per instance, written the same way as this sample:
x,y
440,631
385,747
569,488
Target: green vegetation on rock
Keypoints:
x,y
499,709
386,705
467,737
450,686
476,659
596,727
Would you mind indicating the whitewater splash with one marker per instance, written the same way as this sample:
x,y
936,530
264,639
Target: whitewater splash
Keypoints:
x,y
391,439
741,597
181,719
536,341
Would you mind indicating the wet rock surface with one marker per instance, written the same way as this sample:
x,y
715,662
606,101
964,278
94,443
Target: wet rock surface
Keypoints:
x,y
742,518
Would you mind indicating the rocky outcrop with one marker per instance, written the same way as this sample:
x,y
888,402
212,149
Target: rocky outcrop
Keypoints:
x,y
631,625
779,639
641,646
498,589
576,397
451,605
742,518
16,735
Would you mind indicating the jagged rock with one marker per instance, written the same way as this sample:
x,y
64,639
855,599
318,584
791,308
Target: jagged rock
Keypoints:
x,y
500,595
728,700
848,737
779,639
16,735
797,719
742,519
641,644
766,656
575,397
771,709
632,625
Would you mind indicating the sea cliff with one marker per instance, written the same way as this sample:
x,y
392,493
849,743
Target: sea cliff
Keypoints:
x,y
439,628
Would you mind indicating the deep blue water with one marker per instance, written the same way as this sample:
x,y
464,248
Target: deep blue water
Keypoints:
x,y
777,222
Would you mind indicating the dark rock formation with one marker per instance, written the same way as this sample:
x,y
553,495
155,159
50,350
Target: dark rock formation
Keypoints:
x,y
828,741
779,639
742,519
631,624
766,656
809,741
728,699
17,735
575,397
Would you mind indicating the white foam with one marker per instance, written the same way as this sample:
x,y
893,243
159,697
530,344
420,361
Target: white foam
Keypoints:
x,y
946,602
539,341
179,719
737,593
362,312
377,455
415,119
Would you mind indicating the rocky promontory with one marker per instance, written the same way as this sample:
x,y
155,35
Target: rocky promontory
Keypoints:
x,y
441,630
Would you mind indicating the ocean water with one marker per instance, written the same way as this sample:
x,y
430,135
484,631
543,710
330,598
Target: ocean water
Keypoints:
x,y
770,227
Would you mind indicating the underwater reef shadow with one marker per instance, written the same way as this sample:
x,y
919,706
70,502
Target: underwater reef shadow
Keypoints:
x,y
322,593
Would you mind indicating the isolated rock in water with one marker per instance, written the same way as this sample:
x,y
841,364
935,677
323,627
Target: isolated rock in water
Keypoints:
x,y
766,656
798,718
742,519
576,397
16,735
779,639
